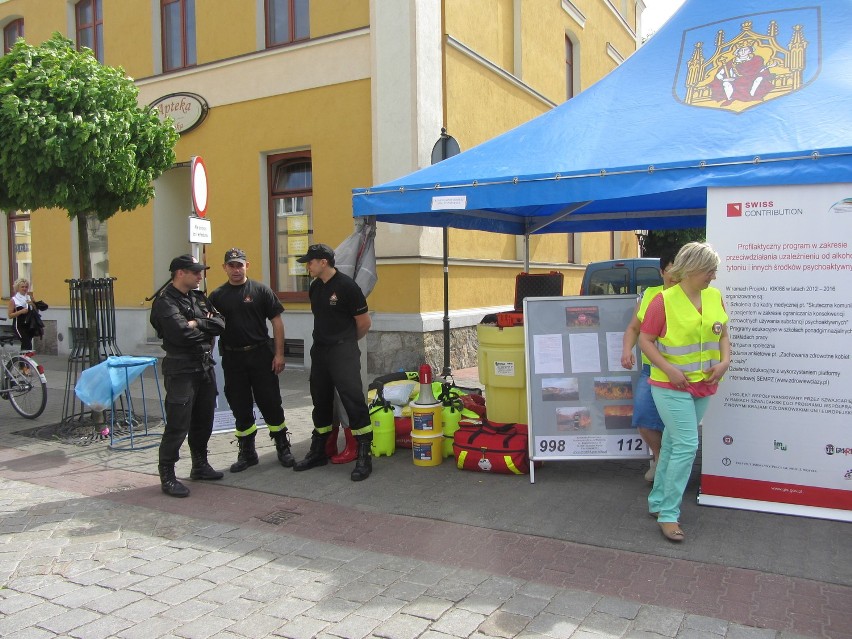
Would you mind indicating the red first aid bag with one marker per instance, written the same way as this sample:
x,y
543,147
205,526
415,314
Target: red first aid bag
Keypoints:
x,y
492,448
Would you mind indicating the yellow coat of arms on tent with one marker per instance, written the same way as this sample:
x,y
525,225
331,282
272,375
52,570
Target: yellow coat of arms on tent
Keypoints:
x,y
744,70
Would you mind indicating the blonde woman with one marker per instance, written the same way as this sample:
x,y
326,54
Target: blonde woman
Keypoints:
x,y
20,304
685,336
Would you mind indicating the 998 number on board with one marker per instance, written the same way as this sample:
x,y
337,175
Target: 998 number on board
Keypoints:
x,y
551,445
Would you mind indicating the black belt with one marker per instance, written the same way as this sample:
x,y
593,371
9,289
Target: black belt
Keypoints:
x,y
200,356
242,349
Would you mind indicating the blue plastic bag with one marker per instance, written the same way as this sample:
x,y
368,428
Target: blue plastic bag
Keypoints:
x,y
99,385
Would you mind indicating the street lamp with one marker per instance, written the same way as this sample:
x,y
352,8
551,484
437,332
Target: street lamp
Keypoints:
x,y
444,148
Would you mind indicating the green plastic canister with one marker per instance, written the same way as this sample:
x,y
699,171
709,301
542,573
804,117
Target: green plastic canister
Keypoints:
x,y
384,431
451,416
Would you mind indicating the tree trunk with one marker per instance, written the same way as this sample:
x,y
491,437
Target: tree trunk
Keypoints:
x,y
91,338
88,290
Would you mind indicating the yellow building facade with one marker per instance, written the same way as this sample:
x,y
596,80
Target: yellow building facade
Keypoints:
x,y
304,100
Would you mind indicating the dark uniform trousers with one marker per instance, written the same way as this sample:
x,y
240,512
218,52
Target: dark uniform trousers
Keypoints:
x,y
190,406
249,380
338,366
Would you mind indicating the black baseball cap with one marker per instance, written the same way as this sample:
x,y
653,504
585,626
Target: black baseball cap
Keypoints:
x,y
186,263
235,255
317,252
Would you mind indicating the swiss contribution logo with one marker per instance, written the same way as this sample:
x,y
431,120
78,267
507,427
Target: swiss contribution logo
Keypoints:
x,y
742,62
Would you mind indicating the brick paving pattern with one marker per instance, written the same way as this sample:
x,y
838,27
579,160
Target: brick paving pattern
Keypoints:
x,y
89,548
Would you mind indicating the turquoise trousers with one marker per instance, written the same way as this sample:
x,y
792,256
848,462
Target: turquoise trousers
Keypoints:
x,y
681,413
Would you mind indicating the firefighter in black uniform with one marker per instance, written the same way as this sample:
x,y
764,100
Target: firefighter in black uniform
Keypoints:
x,y
187,323
340,320
250,366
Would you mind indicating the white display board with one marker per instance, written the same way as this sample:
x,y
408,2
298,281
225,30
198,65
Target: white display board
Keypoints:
x,y
579,397
777,437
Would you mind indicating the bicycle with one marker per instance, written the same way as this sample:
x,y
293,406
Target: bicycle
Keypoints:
x,y
22,380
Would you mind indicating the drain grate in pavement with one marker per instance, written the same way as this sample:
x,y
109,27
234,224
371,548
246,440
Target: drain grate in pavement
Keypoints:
x,y
278,517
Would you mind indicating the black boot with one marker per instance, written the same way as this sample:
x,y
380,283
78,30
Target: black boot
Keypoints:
x,y
247,455
363,465
201,469
316,455
169,483
282,447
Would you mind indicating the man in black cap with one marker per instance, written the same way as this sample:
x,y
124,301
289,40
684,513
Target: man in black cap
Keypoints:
x,y
250,366
340,320
187,324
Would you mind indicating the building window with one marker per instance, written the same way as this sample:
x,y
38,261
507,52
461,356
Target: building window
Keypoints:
x,y
286,21
178,29
569,68
11,33
20,247
90,27
290,222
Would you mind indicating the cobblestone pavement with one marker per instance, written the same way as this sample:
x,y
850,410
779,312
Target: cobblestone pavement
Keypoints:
x,y
89,547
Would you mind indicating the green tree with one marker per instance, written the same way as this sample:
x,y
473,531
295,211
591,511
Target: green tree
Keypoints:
x,y
73,137
658,241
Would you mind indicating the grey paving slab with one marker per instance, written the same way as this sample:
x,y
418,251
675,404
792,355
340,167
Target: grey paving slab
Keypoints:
x,y
81,562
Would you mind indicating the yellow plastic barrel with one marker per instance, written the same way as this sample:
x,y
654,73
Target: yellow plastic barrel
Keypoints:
x,y
503,370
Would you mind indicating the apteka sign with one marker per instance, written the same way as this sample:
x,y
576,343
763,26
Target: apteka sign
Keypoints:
x,y
186,110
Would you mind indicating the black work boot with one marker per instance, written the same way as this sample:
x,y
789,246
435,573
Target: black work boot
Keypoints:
x,y
316,455
363,464
201,469
169,483
247,455
282,447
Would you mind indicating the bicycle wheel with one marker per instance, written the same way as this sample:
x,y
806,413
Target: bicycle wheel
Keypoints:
x,y
27,390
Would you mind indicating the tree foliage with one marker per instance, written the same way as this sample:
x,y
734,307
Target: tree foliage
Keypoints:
x,y
72,135
658,241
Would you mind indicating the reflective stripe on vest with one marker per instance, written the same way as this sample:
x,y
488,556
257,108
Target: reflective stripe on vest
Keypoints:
x,y
690,344
649,294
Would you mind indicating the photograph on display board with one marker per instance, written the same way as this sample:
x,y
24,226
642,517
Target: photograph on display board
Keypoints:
x,y
560,389
614,388
582,317
573,418
618,417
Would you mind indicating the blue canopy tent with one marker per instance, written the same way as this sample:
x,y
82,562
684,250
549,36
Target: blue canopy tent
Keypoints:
x,y
727,93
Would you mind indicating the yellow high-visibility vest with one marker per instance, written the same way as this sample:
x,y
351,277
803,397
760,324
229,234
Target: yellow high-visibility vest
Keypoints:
x,y
692,339
649,294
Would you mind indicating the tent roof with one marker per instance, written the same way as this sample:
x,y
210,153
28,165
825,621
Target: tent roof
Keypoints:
x,y
640,148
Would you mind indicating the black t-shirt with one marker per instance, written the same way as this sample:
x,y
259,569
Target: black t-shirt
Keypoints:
x,y
246,308
335,304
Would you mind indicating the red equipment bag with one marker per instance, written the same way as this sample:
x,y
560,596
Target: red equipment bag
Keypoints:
x,y
492,448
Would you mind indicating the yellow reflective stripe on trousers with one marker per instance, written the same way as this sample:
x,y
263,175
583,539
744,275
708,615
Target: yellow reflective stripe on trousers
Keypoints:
x,y
251,430
362,431
323,430
277,429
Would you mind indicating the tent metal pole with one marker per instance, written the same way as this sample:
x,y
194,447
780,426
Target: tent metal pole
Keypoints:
x,y
447,369
526,252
